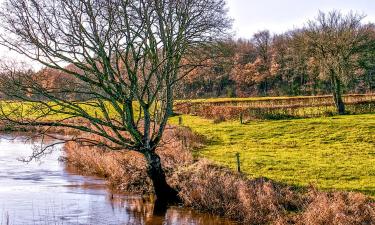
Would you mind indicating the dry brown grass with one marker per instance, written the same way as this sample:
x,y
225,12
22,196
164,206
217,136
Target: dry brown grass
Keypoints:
x,y
338,208
217,190
123,171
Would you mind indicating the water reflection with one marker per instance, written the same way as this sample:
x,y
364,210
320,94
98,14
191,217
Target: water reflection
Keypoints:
x,y
47,192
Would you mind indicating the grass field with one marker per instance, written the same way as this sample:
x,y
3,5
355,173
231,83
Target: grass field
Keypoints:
x,y
330,153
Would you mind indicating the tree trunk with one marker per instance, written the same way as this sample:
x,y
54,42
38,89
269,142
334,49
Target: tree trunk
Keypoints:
x,y
164,193
337,95
339,103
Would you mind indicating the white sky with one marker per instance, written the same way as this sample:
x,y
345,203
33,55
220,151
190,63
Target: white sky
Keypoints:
x,y
277,16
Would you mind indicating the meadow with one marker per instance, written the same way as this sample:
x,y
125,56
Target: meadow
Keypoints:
x,y
329,152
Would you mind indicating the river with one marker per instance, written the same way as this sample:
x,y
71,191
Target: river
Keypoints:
x,y
46,192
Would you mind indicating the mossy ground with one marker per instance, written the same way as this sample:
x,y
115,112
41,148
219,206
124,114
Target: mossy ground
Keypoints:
x,y
330,153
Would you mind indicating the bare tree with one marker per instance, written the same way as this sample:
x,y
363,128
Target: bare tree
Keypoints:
x,y
262,41
335,41
125,57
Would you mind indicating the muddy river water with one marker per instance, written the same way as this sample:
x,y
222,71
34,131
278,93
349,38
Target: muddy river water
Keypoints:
x,y
46,192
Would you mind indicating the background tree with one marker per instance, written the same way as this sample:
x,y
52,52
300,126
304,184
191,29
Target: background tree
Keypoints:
x,y
336,42
211,78
126,55
285,64
262,42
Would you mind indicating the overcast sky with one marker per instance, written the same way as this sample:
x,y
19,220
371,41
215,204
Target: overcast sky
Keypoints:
x,y
277,16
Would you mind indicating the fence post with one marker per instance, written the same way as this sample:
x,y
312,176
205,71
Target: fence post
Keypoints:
x,y
180,121
184,142
238,162
241,118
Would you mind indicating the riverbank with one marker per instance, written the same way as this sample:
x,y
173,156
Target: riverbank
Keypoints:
x,y
207,187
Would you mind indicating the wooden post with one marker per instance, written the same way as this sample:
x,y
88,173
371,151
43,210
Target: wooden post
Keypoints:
x,y
241,118
238,162
180,121
184,142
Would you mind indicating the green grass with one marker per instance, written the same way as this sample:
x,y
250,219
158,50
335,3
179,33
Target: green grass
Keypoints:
x,y
331,153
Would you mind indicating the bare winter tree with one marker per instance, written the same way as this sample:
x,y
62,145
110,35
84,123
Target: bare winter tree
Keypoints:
x,y
125,58
336,42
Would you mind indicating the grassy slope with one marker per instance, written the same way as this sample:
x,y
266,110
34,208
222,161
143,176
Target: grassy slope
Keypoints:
x,y
336,152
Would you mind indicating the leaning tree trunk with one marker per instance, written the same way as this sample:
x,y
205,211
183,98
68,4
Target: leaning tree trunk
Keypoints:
x,y
164,193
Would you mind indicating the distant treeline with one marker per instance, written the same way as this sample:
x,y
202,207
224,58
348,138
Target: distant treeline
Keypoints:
x,y
333,53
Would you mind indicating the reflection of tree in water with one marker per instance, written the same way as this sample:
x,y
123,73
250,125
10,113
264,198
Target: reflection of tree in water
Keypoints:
x,y
141,211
